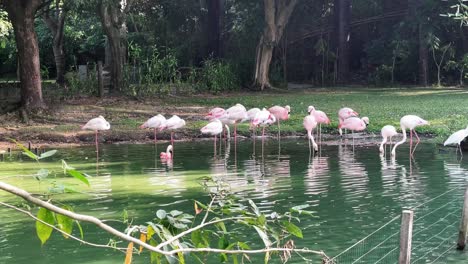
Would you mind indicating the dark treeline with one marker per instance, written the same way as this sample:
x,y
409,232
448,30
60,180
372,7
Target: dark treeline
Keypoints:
x,y
217,45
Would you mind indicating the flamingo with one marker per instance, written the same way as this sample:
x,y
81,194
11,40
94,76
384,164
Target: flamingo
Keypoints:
x,y
280,113
343,114
457,138
168,155
263,118
236,114
96,124
172,124
354,123
216,113
310,123
154,122
213,128
387,132
250,117
409,122
320,117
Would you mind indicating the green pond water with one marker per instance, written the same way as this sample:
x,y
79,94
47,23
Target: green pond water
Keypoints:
x,y
352,192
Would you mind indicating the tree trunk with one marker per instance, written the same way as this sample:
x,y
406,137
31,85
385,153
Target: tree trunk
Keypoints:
x,y
214,27
21,14
111,20
342,26
277,14
423,58
56,26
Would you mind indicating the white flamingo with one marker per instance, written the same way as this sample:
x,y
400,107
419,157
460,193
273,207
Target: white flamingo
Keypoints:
x,y
97,124
409,122
155,122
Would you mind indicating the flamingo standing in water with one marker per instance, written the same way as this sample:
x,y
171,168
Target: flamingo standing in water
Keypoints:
x,y
263,118
220,113
172,124
96,124
168,155
280,113
236,114
387,133
213,128
250,117
321,118
457,138
343,114
409,122
310,123
154,122
354,123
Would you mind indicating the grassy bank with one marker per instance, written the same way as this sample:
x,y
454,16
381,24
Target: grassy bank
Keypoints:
x,y
445,109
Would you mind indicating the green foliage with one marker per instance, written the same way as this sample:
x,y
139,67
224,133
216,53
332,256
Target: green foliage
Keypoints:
x,y
76,86
218,76
44,231
460,12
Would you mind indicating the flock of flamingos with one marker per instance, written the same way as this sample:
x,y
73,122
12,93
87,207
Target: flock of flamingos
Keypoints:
x,y
221,118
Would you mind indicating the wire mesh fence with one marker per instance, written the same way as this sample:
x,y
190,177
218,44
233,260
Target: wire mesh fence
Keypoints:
x,y
435,231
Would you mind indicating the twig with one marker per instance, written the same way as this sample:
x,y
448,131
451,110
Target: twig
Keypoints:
x,y
123,250
208,209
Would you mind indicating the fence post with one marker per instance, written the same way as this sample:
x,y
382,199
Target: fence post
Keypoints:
x,y
463,224
406,233
100,81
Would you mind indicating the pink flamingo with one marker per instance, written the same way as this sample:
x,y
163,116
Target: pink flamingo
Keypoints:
x,y
409,122
250,117
236,114
280,113
263,118
154,122
310,123
172,124
343,114
387,133
213,128
216,113
168,155
354,123
96,124
321,118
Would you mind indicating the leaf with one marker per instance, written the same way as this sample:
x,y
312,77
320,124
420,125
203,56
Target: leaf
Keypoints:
x,y
80,228
263,236
150,232
254,207
48,154
65,224
197,210
155,257
44,231
129,254
142,239
261,220
222,226
41,174
78,175
292,229
175,213
242,245
161,214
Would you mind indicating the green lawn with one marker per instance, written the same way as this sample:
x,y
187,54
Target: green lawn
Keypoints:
x,y
446,109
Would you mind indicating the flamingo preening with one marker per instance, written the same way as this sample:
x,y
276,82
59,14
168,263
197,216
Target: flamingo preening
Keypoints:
x,y
456,139
173,124
280,113
354,123
155,122
263,118
387,133
310,123
97,124
321,118
250,117
409,122
343,114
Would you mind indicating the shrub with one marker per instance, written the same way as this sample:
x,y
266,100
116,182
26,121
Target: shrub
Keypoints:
x,y
218,76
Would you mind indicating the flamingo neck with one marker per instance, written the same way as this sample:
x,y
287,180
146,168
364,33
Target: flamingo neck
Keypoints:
x,y
403,140
382,144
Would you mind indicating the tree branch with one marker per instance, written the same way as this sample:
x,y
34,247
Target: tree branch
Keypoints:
x,y
91,219
123,250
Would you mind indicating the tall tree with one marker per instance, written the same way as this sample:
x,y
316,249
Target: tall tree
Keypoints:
x,y
54,17
342,13
214,26
277,14
416,15
113,14
21,14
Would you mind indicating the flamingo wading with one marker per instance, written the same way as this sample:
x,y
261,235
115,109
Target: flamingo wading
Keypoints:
x,y
387,133
409,122
172,124
456,138
155,122
280,113
97,124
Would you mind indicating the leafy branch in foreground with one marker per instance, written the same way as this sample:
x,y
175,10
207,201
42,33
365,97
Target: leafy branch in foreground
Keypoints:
x,y
174,236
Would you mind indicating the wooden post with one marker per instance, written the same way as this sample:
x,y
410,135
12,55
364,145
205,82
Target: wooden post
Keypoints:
x,y
406,233
464,224
100,81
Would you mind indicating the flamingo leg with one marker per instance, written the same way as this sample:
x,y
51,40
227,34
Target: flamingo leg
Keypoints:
x,y
96,141
263,132
279,128
215,145
155,138
416,134
411,142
